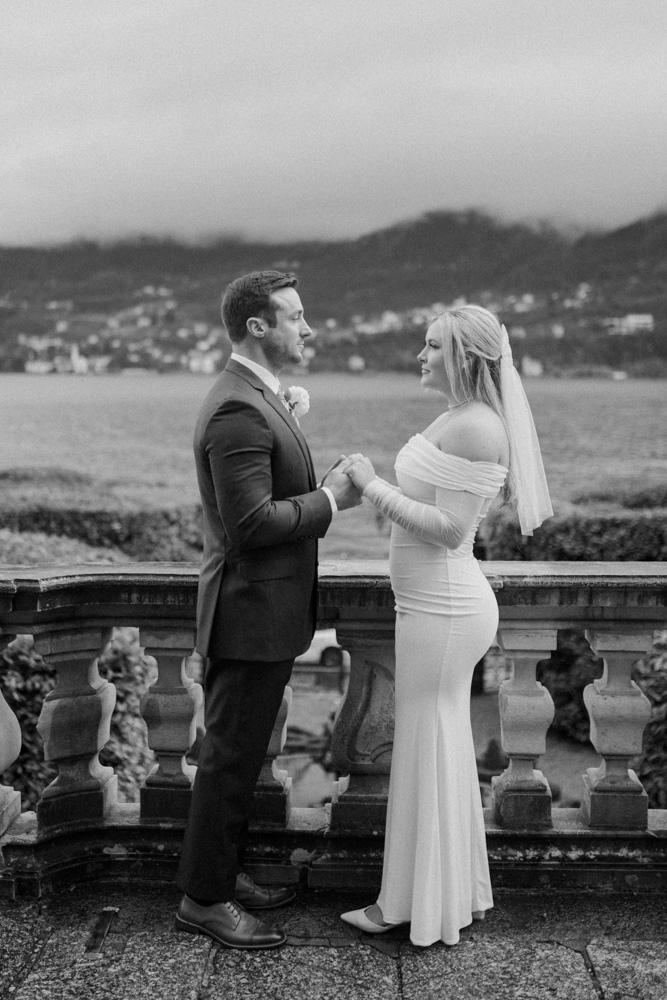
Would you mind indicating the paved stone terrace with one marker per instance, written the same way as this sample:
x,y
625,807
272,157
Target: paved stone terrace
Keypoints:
x,y
531,947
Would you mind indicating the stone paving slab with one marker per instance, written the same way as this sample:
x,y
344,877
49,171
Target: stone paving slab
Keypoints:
x,y
296,974
579,917
531,947
157,966
21,945
313,921
635,970
501,970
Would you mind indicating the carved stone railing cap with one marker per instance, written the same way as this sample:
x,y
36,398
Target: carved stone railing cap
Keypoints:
x,y
30,594
536,573
569,592
45,577
605,574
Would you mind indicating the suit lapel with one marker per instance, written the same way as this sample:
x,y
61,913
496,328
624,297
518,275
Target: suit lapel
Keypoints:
x,y
281,409
273,401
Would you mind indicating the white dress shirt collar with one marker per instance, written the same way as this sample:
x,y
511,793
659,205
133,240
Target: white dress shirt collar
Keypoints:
x,y
267,377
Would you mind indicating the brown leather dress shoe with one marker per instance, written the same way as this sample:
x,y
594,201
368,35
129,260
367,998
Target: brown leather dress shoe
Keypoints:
x,y
261,897
228,924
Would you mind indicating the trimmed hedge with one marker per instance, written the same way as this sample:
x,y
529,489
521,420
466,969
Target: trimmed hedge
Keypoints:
x,y
66,503
590,536
35,548
173,535
646,498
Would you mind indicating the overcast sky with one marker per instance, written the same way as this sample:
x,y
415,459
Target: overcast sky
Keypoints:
x,y
292,118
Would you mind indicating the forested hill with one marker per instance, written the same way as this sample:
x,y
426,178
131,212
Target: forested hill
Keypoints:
x,y
436,257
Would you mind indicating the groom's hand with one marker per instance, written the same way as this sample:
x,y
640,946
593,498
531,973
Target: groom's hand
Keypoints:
x,y
334,465
345,492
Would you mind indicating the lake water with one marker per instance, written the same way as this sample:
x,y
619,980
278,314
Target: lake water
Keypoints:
x,y
134,433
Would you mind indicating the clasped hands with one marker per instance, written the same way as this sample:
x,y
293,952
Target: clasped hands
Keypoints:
x,y
350,474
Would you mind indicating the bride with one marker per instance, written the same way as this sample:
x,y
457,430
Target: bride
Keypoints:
x,y
435,873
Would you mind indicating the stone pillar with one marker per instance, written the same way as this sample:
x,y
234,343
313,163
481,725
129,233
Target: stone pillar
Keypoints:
x,y
74,724
613,795
521,795
169,709
273,794
10,748
363,732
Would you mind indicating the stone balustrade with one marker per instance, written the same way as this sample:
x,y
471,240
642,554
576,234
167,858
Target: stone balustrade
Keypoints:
x,y
81,826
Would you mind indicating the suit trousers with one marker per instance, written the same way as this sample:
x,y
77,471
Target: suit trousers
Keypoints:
x,y
242,700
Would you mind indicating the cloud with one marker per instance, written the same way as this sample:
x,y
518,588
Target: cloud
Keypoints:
x,y
305,118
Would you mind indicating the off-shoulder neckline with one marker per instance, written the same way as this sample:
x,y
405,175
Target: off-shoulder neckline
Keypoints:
x,y
459,458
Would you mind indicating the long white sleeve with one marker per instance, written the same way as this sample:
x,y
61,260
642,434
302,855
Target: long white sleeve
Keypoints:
x,y
445,523
396,489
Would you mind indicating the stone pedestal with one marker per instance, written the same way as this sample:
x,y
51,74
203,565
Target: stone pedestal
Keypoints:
x,y
359,804
74,724
364,729
606,806
169,709
521,795
613,795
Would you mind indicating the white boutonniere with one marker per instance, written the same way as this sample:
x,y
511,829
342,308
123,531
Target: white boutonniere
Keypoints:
x,y
298,400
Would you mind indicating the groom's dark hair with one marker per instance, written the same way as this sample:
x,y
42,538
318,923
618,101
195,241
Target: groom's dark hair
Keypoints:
x,y
250,295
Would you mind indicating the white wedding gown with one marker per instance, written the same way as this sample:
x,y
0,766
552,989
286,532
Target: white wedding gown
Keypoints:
x,y
435,871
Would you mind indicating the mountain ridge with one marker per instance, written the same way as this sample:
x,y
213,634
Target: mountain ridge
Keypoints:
x,y
435,257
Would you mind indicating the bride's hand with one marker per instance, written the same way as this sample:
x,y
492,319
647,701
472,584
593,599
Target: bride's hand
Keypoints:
x,y
359,469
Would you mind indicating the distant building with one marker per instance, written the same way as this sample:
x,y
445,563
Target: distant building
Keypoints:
x,y
38,367
78,361
525,304
202,364
531,367
631,323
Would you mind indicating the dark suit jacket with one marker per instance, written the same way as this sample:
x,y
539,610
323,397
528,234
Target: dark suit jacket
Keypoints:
x,y
262,517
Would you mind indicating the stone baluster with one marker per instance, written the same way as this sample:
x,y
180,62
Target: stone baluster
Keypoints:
x,y
363,732
273,793
74,725
169,708
618,710
521,794
10,748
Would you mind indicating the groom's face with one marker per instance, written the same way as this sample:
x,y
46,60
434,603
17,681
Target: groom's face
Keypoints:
x,y
283,343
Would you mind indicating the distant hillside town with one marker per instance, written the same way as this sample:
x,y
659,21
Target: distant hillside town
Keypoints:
x,y
597,305
152,332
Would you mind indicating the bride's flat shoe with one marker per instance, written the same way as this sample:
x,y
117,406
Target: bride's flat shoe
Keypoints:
x,y
478,914
359,920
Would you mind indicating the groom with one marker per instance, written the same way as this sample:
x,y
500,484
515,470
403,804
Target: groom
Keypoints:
x,y
257,600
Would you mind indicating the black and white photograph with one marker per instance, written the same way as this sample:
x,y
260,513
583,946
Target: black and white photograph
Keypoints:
x,y
333,500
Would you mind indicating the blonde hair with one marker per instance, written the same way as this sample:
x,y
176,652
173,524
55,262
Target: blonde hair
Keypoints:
x,y
471,339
